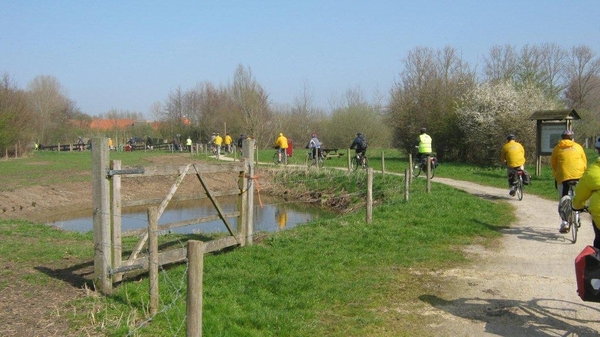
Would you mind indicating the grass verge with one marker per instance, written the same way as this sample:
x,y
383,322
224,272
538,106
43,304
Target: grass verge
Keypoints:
x,y
335,277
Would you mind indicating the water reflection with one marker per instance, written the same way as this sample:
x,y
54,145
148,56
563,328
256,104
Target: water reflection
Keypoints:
x,y
281,217
274,215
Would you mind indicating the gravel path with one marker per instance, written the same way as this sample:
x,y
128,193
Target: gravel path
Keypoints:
x,y
526,287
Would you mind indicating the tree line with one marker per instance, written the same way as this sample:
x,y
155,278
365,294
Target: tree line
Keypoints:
x,y
467,109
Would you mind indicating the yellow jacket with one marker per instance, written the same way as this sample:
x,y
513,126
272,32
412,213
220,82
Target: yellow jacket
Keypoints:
x,y
425,143
281,142
568,160
513,154
218,140
589,188
228,139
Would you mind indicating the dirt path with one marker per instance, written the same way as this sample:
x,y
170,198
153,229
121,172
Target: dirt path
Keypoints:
x,y
524,288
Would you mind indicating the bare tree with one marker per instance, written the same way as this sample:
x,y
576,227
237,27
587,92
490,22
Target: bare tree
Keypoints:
x,y
583,91
252,102
431,83
16,120
501,64
583,70
553,64
48,101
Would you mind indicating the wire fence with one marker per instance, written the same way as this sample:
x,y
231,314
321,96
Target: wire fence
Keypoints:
x,y
173,300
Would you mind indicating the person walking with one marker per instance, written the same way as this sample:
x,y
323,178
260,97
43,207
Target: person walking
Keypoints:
x,y
281,144
568,162
513,154
589,188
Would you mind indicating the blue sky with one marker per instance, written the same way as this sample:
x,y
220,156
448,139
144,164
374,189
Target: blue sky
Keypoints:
x,y
127,55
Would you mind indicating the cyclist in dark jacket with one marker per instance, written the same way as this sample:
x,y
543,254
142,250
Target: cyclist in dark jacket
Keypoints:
x,y
360,144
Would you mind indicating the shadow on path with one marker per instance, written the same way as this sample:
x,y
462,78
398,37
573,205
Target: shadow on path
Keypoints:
x,y
538,317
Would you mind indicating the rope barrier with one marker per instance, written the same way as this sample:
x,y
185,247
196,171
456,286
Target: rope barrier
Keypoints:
x,y
252,179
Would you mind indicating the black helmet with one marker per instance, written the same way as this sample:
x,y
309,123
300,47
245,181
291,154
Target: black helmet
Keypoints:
x,y
423,130
511,137
567,134
358,134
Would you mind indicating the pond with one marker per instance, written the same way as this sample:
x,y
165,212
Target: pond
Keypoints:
x,y
274,214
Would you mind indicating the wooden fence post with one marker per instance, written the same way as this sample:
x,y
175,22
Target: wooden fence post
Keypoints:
x,y
101,214
406,184
428,174
195,255
411,167
382,162
369,195
115,211
242,205
349,160
153,258
248,147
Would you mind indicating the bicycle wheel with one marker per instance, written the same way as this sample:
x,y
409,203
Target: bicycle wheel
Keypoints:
x,y
520,188
276,158
432,168
354,164
416,170
309,160
321,161
573,226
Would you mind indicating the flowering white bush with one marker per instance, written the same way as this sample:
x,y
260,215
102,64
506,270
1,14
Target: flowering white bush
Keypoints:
x,y
491,111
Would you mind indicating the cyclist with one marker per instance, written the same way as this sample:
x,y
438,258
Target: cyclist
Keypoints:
x,y
218,141
513,154
281,144
315,145
227,141
589,188
424,145
568,164
80,144
188,143
360,144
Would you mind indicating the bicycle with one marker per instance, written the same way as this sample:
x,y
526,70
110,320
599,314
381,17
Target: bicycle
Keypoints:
x,y
359,161
422,166
320,160
566,211
284,157
517,174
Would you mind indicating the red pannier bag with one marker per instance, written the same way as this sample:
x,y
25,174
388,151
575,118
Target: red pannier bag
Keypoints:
x,y
587,273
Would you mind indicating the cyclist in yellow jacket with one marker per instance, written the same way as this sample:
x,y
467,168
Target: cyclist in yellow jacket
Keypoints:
x,y
281,143
568,162
513,154
424,146
227,142
218,141
589,188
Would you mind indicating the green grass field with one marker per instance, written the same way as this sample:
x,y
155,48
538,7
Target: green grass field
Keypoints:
x,y
335,277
